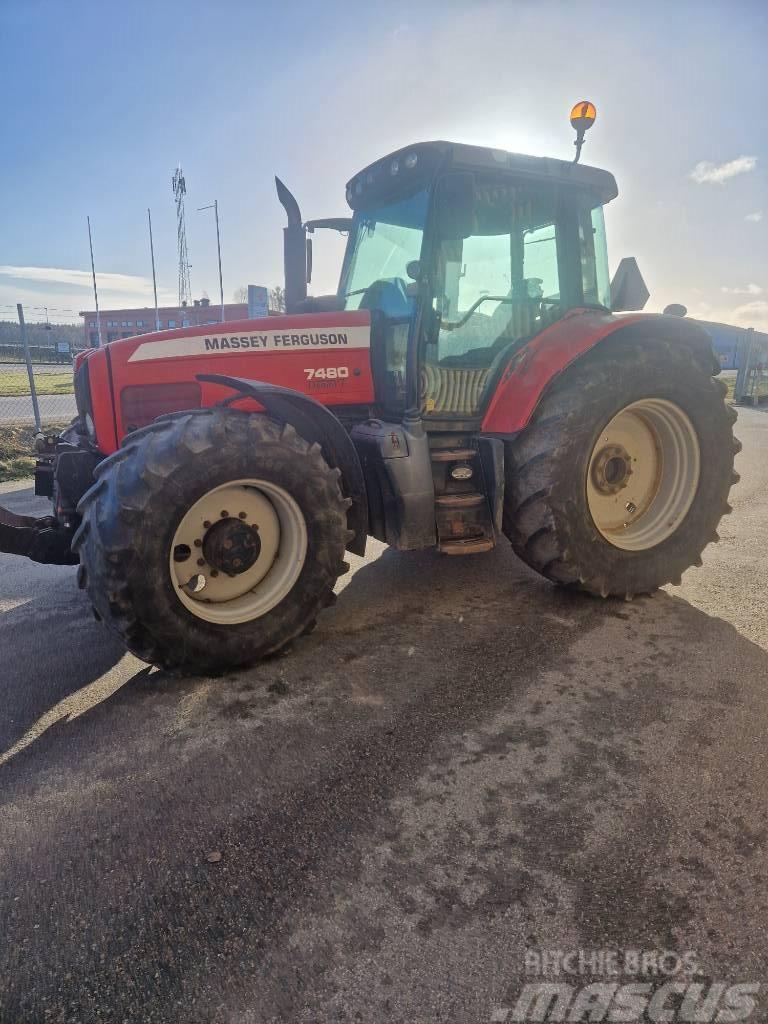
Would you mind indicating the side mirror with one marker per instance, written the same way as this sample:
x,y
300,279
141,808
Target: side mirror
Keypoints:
x,y
628,289
455,205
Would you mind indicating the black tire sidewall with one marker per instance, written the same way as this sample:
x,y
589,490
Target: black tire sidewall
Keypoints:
x,y
162,622
640,571
294,479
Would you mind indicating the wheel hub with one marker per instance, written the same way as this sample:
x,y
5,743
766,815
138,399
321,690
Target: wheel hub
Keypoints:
x,y
611,469
237,551
232,546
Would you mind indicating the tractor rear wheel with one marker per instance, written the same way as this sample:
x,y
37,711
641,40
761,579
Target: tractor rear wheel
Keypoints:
x,y
212,539
619,481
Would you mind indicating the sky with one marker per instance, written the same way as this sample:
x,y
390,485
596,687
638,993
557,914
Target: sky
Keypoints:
x,y
102,99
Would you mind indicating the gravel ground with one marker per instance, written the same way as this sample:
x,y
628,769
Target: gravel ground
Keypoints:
x,y
460,764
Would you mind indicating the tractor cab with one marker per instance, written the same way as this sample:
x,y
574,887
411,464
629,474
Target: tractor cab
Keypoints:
x,y
461,253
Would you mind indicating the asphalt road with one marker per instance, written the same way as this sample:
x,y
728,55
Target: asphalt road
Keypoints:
x,y
459,764
53,408
37,368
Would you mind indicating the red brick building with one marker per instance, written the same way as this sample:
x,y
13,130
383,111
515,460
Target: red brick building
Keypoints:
x,y
126,323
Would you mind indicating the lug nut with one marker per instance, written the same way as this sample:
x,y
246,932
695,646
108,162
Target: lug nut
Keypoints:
x,y
241,515
207,524
631,507
198,543
225,515
214,572
201,562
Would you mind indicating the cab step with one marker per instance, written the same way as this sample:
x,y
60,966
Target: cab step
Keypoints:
x,y
459,500
462,512
466,546
452,454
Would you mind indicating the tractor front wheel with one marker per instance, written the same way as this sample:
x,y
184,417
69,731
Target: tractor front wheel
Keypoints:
x,y
620,480
212,539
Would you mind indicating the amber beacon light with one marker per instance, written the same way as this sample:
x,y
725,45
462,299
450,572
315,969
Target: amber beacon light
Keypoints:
x,y
583,116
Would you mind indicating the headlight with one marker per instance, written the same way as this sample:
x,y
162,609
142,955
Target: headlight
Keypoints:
x,y
411,160
394,167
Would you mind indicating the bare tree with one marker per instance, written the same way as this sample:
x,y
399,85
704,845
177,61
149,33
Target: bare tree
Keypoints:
x,y
240,294
277,299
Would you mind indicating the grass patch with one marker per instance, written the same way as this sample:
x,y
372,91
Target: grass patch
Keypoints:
x,y
16,384
17,451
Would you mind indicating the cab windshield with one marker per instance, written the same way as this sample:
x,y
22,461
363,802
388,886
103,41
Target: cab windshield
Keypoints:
x,y
383,241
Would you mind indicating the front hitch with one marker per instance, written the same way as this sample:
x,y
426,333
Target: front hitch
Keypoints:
x,y
41,539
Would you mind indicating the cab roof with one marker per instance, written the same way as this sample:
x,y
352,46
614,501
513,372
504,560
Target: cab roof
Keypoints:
x,y
418,163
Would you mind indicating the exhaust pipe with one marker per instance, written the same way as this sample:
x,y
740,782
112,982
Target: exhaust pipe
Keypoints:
x,y
294,251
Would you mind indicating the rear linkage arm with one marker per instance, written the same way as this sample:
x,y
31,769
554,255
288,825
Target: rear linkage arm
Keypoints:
x,y
42,540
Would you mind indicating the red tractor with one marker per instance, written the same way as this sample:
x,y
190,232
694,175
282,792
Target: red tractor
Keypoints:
x,y
469,380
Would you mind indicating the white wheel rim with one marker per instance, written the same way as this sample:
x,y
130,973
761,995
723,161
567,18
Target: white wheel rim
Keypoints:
x,y
643,474
215,596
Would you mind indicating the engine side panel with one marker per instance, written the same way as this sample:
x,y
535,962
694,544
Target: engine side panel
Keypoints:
x,y
324,355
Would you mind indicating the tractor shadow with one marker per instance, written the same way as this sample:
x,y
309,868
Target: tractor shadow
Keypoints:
x,y
406,627
52,649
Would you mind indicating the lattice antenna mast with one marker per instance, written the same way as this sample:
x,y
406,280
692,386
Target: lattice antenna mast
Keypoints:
x,y
179,191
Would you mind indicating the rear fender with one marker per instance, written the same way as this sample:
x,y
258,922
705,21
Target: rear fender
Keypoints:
x,y
315,423
533,368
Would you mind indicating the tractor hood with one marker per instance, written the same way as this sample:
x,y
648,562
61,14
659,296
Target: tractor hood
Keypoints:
x,y
325,355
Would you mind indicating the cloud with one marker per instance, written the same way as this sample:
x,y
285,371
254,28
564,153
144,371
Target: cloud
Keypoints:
x,y
752,314
66,291
749,289
130,283
707,173
755,217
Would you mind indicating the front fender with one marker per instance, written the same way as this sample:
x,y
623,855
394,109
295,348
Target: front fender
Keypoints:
x,y
315,423
533,368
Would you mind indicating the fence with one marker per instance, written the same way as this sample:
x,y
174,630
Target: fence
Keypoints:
x,y
752,364
36,356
